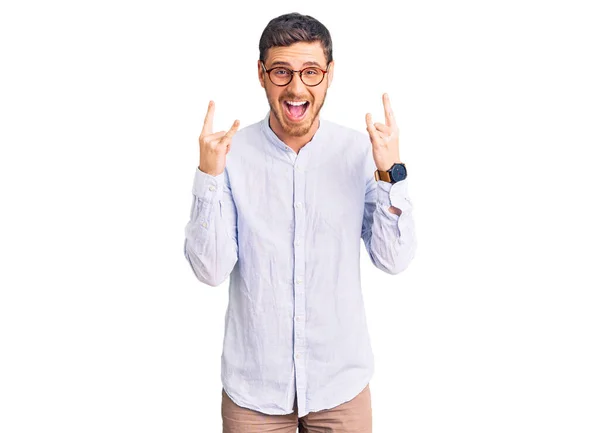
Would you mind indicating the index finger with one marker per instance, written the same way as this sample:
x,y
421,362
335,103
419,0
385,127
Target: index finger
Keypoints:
x,y
389,114
208,120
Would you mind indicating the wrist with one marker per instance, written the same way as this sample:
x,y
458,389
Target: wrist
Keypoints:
x,y
209,171
395,173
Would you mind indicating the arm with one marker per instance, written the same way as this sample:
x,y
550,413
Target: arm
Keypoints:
x,y
388,227
210,245
389,238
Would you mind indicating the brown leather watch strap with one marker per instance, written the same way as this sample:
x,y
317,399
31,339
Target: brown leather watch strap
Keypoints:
x,y
382,175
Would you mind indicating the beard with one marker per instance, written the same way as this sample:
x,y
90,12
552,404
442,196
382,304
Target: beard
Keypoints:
x,y
296,129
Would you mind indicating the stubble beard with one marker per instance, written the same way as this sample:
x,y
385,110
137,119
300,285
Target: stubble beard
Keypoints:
x,y
292,129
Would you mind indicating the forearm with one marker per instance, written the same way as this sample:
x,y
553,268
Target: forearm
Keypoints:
x,y
210,244
390,239
395,210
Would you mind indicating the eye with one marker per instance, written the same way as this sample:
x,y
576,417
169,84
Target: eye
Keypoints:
x,y
311,71
282,72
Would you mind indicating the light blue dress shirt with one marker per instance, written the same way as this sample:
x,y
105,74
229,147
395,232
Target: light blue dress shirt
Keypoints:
x,y
286,229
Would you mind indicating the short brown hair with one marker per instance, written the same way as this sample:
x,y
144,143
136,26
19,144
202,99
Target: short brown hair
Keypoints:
x,y
288,29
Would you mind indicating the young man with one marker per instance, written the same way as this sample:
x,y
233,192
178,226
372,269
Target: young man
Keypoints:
x,y
280,207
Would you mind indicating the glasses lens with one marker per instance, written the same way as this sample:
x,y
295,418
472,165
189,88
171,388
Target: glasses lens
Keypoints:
x,y
281,76
312,76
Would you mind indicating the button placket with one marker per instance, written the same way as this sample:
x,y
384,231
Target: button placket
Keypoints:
x,y
299,280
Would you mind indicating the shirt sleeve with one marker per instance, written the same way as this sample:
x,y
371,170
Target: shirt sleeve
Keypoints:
x,y
389,238
210,245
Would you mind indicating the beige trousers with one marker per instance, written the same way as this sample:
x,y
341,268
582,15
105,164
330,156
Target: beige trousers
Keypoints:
x,y
354,416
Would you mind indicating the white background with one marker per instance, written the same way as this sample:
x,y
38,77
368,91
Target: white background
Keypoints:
x,y
495,325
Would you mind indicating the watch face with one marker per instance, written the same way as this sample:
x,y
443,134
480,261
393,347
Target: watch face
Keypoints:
x,y
398,172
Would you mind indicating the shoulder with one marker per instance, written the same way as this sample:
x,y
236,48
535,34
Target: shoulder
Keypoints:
x,y
248,132
245,138
348,137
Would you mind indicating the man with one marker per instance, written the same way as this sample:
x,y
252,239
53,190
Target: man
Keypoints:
x,y
280,207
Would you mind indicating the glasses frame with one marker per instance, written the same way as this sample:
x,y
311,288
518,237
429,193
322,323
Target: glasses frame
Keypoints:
x,y
300,72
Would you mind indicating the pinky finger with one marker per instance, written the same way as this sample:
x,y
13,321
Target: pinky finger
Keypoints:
x,y
371,128
233,129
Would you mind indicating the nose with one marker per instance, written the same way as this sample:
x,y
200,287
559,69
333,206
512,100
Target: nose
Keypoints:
x,y
296,85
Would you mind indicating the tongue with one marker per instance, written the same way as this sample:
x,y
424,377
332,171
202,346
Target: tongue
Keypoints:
x,y
297,110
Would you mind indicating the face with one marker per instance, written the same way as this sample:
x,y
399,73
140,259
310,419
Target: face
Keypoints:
x,y
295,57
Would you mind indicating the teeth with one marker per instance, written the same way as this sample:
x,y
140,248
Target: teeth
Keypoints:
x,y
296,103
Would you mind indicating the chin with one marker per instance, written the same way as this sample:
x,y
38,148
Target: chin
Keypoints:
x,y
295,129
298,129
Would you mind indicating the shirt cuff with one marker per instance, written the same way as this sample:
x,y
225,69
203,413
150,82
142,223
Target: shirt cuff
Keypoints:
x,y
207,187
394,195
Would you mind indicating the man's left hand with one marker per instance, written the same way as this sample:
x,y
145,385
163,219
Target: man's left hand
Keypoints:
x,y
385,139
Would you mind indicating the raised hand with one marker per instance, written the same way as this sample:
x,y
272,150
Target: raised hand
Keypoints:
x,y
214,146
385,139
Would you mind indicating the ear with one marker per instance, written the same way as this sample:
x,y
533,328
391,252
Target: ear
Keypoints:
x,y
330,74
261,77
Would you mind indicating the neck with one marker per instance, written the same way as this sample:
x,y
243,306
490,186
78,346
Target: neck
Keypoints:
x,y
293,141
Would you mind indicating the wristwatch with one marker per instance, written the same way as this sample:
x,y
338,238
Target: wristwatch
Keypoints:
x,y
395,174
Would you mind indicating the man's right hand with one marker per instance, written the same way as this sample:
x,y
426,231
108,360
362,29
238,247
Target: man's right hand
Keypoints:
x,y
214,146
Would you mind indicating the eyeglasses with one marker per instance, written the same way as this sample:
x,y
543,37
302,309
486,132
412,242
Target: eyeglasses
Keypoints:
x,y
280,76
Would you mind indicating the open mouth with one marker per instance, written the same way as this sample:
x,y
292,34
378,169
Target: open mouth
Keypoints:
x,y
295,110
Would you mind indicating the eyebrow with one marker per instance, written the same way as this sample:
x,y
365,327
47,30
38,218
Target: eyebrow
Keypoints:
x,y
288,64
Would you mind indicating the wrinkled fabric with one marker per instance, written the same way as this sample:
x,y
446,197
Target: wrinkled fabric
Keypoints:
x,y
286,229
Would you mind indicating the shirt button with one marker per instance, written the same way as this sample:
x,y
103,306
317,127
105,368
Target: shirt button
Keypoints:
x,y
299,280
205,224
212,188
297,355
298,205
298,318
297,242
